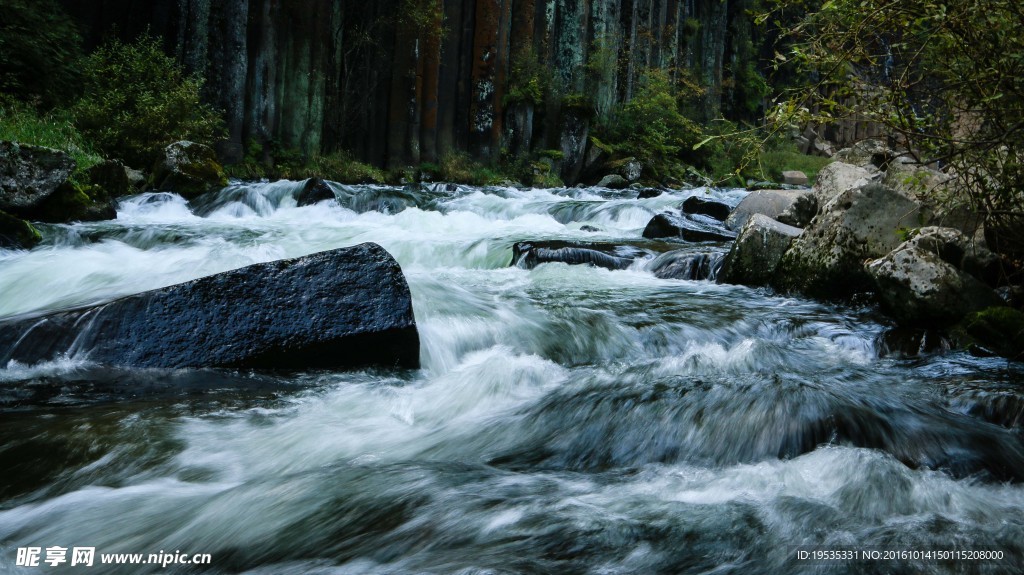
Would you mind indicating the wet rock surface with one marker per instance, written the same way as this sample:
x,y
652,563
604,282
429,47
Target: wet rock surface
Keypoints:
x,y
757,252
29,175
348,307
687,228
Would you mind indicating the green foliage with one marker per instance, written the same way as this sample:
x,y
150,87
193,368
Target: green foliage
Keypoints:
x,y
528,79
425,17
341,167
22,123
137,101
458,167
652,127
780,156
40,49
945,79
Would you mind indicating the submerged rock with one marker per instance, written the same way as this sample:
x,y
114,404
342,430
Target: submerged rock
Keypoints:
x,y
609,256
686,228
314,191
757,252
796,207
686,265
927,280
710,208
342,308
189,169
29,175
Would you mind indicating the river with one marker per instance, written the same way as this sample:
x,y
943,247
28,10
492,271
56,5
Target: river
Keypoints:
x,y
566,419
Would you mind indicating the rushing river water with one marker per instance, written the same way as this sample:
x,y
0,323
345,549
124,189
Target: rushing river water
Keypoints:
x,y
567,419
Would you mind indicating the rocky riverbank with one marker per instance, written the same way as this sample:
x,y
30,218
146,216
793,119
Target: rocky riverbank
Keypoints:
x,y
874,229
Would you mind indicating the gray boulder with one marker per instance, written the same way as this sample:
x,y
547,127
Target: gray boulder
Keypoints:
x,y
29,175
927,280
794,178
796,207
614,182
189,169
867,153
757,252
859,224
839,177
348,307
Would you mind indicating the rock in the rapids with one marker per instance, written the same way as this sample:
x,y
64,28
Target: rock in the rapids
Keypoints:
x,y
686,265
794,178
686,228
995,331
797,207
113,177
189,169
342,308
757,252
857,225
314,191
74,203
706,207
29,175
647,193
614,182
16,233
918,286
839,177
609,256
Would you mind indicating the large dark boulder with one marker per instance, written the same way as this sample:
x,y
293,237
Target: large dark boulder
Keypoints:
x,y
686,228
29,175
189,169
342,308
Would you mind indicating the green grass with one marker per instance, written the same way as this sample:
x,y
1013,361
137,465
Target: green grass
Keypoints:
x,y
784,158
53,130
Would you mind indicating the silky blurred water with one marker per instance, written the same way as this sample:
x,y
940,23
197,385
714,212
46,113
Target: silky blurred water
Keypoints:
x,y
567,419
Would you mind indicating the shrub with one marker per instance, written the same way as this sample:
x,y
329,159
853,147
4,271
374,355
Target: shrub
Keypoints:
x,y
137,101
652,127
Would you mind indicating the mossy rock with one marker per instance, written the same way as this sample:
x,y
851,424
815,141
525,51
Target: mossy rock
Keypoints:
x,y
17,233
189,169
995,330
76,203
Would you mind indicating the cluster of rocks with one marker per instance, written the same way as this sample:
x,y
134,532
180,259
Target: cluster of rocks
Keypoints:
x,y
36,185
865,227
